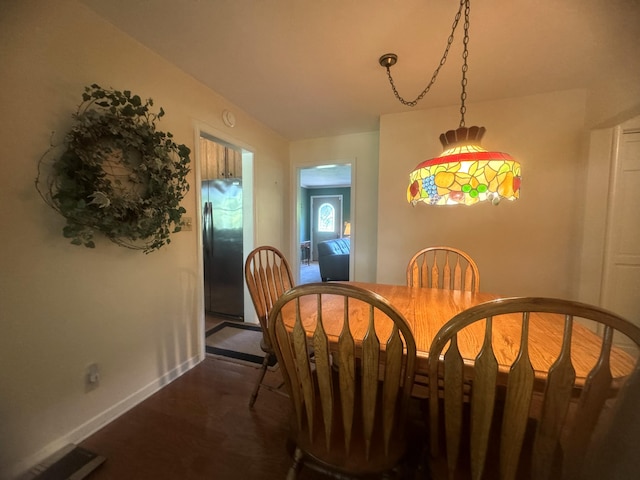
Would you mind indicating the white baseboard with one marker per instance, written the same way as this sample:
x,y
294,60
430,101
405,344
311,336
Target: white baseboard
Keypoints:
x,y
21,469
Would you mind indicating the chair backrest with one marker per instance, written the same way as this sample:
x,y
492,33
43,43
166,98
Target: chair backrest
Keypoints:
x,y
443,267
268,275
542,427
351,396
617,455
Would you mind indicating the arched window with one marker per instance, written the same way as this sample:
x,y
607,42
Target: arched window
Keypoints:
x,y
326,218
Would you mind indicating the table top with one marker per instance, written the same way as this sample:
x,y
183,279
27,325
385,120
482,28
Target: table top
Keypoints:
x,y
427,310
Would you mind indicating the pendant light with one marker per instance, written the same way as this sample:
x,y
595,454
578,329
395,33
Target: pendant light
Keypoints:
x,y
465,173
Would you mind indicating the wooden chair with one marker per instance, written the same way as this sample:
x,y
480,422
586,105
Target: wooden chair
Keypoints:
x,y
350,403
514,427
617,453
443,267
268,276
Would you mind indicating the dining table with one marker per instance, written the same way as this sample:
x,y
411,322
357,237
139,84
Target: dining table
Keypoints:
x,y
426,310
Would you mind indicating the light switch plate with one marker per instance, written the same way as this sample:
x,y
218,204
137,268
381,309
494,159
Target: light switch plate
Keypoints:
x,y
186,224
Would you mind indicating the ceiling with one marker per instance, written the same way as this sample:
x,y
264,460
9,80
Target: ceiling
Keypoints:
x,y
309,68
326,176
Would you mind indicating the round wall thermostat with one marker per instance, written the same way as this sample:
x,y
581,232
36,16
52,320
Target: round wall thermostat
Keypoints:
x,y
228,118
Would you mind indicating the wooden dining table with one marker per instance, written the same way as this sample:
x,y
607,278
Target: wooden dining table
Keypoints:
x,y
427,310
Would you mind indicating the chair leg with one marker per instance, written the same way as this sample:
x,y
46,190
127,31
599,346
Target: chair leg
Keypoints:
x,y
292,474
263,371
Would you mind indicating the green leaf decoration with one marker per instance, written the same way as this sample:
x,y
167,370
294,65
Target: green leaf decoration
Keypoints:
x,y
116,174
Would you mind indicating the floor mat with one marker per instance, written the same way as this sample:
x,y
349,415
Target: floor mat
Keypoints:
x,y
236,341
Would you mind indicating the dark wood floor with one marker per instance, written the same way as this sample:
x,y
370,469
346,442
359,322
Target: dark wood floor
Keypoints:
x,y
199,427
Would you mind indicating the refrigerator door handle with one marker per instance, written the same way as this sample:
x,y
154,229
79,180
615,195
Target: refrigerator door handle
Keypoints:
x,y
211,242
207,234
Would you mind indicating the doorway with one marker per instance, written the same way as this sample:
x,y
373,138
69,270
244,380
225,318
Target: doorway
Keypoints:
x,y
224,181
621,272
321,181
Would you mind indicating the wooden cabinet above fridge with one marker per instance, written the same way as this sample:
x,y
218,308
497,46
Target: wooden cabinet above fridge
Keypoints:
x,y
219,161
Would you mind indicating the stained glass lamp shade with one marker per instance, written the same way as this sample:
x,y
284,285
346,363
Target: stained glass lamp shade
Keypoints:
x,y
465,173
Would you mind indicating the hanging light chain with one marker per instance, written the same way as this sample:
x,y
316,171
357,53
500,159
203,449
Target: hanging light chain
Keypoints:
x,y
465,67
413,103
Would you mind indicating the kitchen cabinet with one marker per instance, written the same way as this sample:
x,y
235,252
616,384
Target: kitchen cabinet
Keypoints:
x,y
219,161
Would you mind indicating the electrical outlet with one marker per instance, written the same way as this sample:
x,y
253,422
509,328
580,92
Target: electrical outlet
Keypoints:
x,y
92,377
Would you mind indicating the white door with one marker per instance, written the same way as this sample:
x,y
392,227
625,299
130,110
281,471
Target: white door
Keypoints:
x,y
326,220
621,279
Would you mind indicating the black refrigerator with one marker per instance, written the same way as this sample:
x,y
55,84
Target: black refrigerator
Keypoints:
x,y
222,244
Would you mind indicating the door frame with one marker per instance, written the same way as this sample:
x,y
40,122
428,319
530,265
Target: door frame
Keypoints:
x,y
296,209
600,182
248,219
611,258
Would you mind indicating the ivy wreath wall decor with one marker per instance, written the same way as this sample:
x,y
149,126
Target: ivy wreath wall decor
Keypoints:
x,y
117,174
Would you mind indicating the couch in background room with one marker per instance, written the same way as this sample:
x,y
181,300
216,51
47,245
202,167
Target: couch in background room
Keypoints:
x,y
333,259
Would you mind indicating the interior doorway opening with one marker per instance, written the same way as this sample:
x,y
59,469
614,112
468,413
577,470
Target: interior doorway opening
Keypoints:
x,y
327,187
224,179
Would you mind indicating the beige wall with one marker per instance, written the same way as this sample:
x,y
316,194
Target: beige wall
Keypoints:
x,y
527,247
616,100
63,307
362,151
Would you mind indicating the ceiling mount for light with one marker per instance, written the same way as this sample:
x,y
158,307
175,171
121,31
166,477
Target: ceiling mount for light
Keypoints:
x,y
388,60
465,173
